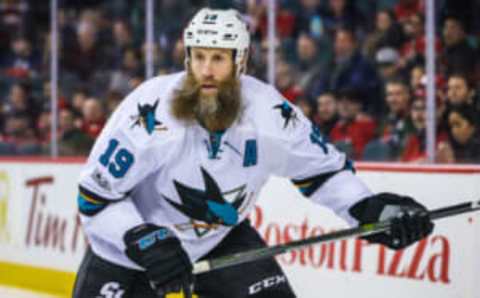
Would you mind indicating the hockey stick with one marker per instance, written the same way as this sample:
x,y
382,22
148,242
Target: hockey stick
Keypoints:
x,y
363,230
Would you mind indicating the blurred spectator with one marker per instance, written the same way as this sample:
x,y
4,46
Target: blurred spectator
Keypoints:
x,y
122,41
326,116
350,70
86,56
354,129
67,30
310,63
460,91
417,73
43,126
396,124
258,58
404,9
467,11
413,49
387,63
464,134
93,117
387,34
13,16
18,132
72,141
285,79
131,65
79,97
21,61
46,96
284,23
458,56
440,102
19,100
415,147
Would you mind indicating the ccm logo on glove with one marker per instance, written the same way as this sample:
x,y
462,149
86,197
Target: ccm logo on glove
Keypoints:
x,y
266,283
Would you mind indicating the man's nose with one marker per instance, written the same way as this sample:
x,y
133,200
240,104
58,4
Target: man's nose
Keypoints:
x,y
207,71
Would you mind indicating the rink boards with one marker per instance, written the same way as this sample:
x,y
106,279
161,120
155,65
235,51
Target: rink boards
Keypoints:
x,y
41,243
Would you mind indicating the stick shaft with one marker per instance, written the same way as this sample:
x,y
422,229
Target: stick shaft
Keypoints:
x,y
363,230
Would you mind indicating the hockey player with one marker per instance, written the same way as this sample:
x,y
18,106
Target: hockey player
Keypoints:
x,y
180,163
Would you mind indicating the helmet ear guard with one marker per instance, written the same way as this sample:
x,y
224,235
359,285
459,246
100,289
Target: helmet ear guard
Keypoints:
x,y
242,65
215,28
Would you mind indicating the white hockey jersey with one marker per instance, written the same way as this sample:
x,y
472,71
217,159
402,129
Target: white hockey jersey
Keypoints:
x,y
147,166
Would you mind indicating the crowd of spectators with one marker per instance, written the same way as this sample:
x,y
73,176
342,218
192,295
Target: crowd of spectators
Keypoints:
x,y
356,69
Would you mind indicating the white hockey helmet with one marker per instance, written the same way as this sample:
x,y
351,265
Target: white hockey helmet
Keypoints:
x,y
216,28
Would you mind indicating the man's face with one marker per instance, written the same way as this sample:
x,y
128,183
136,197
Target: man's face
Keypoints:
x,y
18,97
66,121
121,33
344,44
210,68
210,93
458,92
397,98
21,47
417,113
413,27
416,75
326,107
452,32
92,110
87,35
383,21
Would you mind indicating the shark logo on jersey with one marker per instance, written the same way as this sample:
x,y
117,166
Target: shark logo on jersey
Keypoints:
x,y
287,112
208,206
146,118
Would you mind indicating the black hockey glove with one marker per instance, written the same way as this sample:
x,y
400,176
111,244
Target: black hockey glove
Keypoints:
x,y
410,219
161,254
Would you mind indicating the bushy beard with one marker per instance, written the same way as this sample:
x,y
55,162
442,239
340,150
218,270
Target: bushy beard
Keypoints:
x,y
214,112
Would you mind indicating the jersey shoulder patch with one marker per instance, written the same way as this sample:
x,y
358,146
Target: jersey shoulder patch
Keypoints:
x,y
269,110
